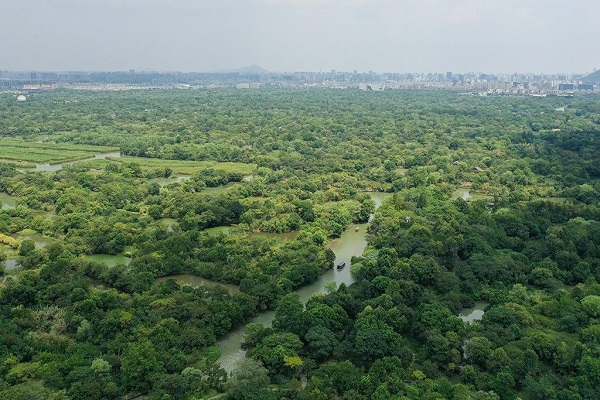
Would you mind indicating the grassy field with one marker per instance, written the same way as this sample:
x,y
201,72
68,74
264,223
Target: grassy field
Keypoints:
x,y
27,154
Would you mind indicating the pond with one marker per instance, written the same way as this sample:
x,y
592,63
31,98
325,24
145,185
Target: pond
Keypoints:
x,y
351,243
10,263
474,313
29,234
162,182
109,259
216,230
168,223
197,281
8,202
218,189
461,193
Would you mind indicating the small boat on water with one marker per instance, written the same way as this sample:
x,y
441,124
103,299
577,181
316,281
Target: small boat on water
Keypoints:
x,y
356,229
341,265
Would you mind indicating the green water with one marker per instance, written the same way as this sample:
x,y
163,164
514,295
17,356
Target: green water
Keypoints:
x,y
351,243
225,230
162,182
461,193
39,239
45,167
168,223
475,313
109,259
218,189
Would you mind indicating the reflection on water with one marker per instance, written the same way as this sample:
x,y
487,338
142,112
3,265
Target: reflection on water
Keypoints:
x,y
109,259
218,189
352,243
162,182
379,197
475,313
461,193
10,263
230,345
39,239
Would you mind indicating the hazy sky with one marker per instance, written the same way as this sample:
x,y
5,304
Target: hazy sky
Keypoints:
x,y
301,35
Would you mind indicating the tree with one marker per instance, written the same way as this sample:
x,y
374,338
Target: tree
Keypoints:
x,y
503,384
140,365
373,338
289,315
320,342
26,247
273,350
32,390
249,381
591,305
478,350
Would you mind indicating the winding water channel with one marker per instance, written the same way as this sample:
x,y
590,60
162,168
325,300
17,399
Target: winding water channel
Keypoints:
x,y
352,243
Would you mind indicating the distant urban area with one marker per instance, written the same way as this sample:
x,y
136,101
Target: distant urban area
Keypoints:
x,y
482,84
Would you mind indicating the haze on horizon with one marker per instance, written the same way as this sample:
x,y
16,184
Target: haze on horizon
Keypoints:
x,y
301,35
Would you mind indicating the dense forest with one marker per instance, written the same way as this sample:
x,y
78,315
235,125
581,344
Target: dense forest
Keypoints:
x,y
493,201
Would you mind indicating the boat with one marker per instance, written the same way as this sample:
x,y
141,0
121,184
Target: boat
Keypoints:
x,y
356,229
341,265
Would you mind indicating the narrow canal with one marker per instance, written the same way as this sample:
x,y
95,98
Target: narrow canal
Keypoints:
x,y
351,243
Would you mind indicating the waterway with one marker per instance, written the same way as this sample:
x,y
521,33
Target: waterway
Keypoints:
x,y
352,243
45,167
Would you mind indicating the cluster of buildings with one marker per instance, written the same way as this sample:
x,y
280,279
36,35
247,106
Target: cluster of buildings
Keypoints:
x,y
534,84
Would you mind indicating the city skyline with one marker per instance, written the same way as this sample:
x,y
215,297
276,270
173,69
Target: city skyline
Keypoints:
x,y
246,70
528,36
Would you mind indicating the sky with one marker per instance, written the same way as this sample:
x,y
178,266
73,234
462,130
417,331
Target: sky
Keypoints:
x,y
537,36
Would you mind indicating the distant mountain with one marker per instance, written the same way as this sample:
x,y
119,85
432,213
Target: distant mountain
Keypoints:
x,y
252,69
593,77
